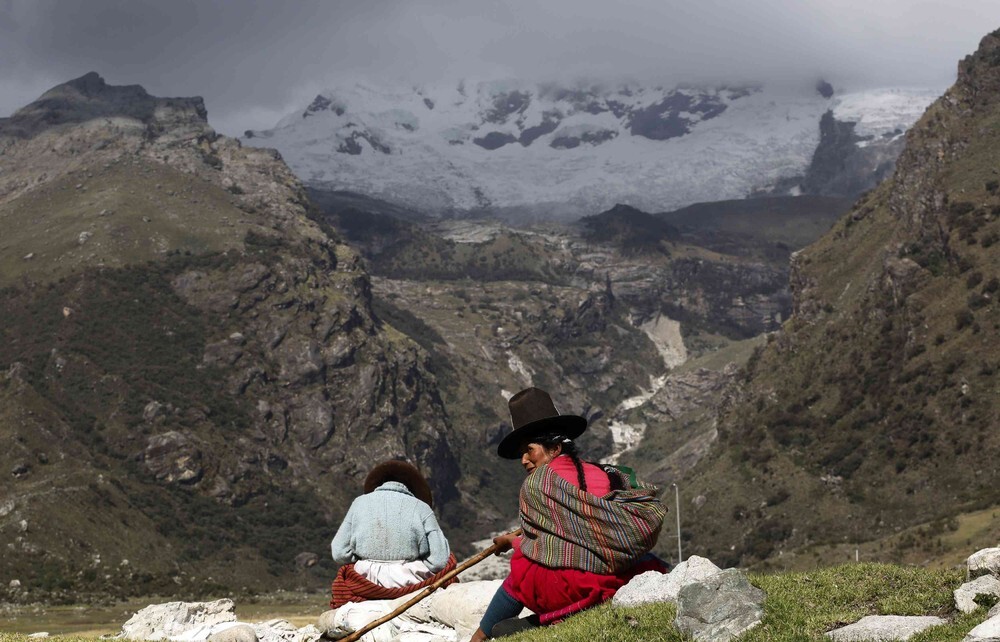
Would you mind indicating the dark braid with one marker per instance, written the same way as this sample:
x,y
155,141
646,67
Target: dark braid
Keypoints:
x,y
568,448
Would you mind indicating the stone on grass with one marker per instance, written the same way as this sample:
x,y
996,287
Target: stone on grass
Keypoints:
x,y
656,587
988,631
644,588
720,607
161,621
986,560
884,628
965,595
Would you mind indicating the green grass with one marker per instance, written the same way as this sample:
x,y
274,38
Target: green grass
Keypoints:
x,y
799,606
134,212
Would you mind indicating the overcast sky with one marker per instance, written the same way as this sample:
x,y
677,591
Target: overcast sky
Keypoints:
x,y
253,62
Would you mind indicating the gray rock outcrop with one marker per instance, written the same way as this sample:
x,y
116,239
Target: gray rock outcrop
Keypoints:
x,y
161,621
720,607
965,595
884,628
988,631
986,560
209,622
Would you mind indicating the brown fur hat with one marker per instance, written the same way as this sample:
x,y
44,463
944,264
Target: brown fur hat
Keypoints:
x,y
404,473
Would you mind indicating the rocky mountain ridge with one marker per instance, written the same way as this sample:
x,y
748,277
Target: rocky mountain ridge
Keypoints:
x,y
187,356
195,358
544,152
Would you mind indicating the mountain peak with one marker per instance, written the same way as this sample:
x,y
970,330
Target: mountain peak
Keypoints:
x,y
89,97
89,84
979,73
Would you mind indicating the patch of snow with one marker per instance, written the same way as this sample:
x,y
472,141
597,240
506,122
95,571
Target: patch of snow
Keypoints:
x,y
883,111
762,135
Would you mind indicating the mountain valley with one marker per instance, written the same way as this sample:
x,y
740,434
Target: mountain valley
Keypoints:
x,y
203,352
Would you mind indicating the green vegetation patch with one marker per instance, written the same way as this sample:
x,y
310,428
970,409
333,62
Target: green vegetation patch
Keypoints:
x,y
799,606
114,339
128,212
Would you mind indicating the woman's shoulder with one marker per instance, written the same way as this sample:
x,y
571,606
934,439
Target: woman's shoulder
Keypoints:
x,y
597,479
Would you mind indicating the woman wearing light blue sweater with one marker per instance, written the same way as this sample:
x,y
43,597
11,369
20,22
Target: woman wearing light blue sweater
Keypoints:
x,y
390,533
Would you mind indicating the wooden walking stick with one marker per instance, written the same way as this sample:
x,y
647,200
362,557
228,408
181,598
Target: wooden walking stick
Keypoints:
x,y
472,561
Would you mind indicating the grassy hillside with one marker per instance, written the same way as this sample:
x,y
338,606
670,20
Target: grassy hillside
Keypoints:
x,y
768,226
191,374
875,408
120,213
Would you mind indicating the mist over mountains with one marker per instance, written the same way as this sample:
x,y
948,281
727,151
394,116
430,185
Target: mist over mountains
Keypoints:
x,y
550,151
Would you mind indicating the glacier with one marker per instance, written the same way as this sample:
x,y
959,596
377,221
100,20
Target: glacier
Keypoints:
x,y
559,152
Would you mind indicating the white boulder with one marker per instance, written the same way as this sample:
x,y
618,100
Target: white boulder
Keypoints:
x,y
988,631
162,621
965,595
884,628
659,587
986,560
645,588
237,633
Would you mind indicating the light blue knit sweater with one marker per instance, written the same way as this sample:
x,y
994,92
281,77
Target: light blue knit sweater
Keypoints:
x,y
389,524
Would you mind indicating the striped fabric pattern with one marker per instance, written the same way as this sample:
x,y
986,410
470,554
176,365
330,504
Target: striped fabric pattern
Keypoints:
x,y
351,586
565,527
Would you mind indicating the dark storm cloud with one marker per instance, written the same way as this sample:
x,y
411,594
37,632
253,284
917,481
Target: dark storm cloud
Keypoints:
x,y
253,62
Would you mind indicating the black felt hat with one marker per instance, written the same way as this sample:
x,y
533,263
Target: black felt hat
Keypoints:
x,y
532,413
404,473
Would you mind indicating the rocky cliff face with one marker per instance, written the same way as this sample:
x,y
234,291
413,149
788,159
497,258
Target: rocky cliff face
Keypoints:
x,y
846,163
874,408
180,338
628,318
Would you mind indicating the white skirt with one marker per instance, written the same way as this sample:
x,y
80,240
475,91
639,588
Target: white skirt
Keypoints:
x,y
393,574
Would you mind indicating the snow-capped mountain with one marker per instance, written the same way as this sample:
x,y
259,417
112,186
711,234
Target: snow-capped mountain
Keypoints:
x,y
555,150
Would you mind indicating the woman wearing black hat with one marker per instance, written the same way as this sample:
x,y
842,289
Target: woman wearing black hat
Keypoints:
x,y
586,530
389,543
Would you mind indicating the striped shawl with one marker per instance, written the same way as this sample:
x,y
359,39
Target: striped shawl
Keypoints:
x,y
565,527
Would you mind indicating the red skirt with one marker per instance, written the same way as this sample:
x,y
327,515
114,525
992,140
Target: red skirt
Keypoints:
x,y
556,593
